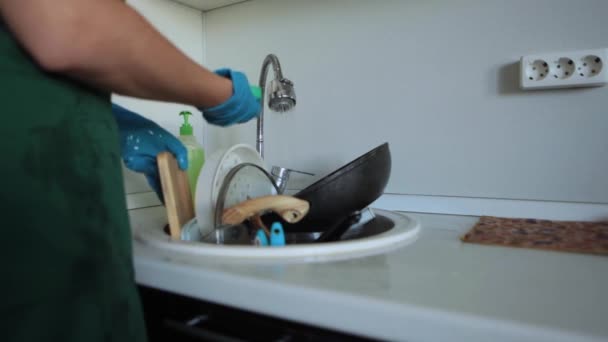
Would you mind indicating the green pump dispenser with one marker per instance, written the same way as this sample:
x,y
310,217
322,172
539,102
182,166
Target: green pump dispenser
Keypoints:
x,y
196,154
186,127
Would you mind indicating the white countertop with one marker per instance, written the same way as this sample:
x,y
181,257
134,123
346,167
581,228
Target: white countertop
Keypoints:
x,y
435,289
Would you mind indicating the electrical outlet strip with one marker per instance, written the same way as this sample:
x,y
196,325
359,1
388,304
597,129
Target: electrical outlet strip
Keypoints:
x,y
583,68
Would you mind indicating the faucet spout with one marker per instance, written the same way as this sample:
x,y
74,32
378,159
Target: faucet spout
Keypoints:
x,y
282,96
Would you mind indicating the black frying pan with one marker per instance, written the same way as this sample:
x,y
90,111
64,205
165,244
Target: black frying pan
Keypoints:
x,y
350,188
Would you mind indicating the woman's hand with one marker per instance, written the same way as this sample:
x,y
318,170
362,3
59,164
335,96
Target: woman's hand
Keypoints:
x,y
141,140
241,107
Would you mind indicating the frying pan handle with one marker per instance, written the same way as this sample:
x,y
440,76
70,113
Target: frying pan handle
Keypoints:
x,y
291,209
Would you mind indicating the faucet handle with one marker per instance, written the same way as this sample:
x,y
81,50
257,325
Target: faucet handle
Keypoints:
x,y
304,173
281,176
279,171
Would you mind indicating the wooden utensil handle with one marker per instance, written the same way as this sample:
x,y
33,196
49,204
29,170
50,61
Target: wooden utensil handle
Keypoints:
x,y
176,192
291,209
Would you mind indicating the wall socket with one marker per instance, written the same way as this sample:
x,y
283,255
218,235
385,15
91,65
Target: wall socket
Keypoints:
x,y
583,68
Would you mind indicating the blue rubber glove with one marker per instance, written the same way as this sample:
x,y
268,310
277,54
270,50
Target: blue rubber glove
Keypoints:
x,y
141,140
241,107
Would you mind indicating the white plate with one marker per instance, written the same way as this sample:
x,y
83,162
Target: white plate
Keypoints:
x,y
212,176
244,181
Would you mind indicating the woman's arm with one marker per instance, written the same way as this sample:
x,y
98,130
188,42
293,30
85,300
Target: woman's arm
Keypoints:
x,y
107,44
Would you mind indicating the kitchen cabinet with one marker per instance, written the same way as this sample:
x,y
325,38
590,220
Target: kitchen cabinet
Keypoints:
x,y
172,317
207,5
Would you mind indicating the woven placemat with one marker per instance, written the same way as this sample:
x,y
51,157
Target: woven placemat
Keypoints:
x,y
566,236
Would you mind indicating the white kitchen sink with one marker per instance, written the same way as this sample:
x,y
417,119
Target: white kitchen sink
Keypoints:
x,y
389,230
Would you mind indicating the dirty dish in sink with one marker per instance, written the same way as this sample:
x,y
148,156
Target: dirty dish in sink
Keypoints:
x,y
343,192
242,183
212,177
249,191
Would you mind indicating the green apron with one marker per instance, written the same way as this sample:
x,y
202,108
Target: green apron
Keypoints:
x,y
65,258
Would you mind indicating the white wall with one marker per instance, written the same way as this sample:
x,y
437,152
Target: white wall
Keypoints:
x,y
436,79
183,26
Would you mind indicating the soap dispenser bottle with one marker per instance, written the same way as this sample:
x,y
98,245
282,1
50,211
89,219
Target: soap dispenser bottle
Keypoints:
x,y
196,154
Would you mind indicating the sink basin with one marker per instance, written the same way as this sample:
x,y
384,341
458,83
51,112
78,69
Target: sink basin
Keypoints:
x,y
388,230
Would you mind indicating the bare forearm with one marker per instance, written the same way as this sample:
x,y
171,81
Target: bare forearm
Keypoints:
x,y
107,44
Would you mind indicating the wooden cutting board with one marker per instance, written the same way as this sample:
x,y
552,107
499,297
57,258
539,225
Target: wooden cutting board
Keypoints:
x,y
176,192
566,236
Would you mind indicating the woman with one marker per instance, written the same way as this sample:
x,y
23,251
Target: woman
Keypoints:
x,y
66,260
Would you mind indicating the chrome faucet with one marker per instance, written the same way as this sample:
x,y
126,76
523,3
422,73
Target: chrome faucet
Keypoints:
x,y
282,97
